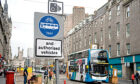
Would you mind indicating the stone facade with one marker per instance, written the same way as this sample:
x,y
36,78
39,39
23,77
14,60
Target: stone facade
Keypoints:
x,y
19,60
115,27
71,21
5,33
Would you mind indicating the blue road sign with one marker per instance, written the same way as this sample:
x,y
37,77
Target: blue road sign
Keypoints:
x,y
49,26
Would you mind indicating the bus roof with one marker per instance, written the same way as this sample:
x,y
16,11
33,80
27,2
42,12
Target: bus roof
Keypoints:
x,y
85,50
79,51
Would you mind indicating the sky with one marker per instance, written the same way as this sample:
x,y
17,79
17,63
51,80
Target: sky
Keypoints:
x,y
22,14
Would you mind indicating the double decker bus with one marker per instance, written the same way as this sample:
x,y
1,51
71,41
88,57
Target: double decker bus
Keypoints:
x,y
90,65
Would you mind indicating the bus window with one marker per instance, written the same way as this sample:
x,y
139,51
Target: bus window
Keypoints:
x,y
76,68
71,69
86,53
103,56
81,68
71,62
76,56
100,69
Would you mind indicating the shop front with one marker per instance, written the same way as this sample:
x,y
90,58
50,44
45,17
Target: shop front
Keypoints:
x,y
137,61
115,63
129,66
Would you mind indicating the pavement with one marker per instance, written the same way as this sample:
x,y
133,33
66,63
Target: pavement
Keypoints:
x,y
2,80
19,80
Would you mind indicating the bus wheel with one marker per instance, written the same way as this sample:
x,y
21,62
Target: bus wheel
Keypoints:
x,y
82,78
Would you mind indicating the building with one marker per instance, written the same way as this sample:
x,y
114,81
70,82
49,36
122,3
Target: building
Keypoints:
x,y
71,21
115,27
78,15
19,60
67,24
30,60
5,34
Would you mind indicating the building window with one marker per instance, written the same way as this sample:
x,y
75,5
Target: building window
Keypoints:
x,y
95,40
127,11
118,28
109,32
90,40
118,49
85,42
110,15
128,48
80,44
101,35
109,50
127,30
101,20
118,10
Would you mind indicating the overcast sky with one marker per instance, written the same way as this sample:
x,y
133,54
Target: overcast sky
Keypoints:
x,y
22,14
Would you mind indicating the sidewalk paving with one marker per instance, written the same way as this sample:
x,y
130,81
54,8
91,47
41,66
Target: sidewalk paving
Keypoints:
x,y
19,79
127,82
2,80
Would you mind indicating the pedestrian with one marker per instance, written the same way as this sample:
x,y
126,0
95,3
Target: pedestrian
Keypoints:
x,y
25,75
4,72
50,73
137,77
45,73
133,78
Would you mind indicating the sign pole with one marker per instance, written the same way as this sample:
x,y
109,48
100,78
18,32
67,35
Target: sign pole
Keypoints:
x,y
57,70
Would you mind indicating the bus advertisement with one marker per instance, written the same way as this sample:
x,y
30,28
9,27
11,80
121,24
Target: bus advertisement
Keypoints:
x,y
91,65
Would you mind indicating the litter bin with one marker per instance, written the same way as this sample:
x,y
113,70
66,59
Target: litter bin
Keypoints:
x,y
9,77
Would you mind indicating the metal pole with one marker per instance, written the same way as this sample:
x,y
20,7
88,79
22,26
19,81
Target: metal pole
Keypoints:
x,y
57,70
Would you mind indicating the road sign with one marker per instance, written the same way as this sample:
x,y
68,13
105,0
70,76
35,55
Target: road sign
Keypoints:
x,y
48,48
55,7
49,26
48,35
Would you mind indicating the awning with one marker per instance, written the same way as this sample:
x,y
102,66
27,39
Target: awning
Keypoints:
x,y
115,60
128,59
137,58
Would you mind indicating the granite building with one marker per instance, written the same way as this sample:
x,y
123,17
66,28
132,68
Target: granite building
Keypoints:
x,y
71,21
5,33
115,26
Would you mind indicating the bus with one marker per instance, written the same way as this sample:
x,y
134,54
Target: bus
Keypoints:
x,y
90,65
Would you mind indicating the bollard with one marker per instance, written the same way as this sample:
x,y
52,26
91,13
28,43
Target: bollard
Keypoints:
x,y
64,81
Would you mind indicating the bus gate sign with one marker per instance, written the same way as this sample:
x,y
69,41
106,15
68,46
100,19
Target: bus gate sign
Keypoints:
x,y
48,28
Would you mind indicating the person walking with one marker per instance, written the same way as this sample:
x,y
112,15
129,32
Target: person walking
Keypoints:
x,y
25,75
4,72
50,76
137,77
133,78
